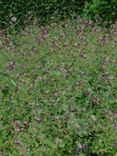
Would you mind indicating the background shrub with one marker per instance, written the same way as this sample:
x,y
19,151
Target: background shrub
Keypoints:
x,y
106,10
42,10
24,11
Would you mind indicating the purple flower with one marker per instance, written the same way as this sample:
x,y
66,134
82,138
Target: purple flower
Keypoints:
x,y
11,65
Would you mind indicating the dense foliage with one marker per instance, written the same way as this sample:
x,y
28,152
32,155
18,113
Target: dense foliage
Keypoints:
x,y
44,10
58,91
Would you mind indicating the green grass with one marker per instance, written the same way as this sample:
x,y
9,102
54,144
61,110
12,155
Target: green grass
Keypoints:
x,y
58,91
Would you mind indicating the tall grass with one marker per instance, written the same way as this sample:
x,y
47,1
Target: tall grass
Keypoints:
x,y
58,88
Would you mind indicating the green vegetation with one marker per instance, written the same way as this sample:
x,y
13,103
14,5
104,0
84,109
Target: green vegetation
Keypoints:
x,y
58,91
21,12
